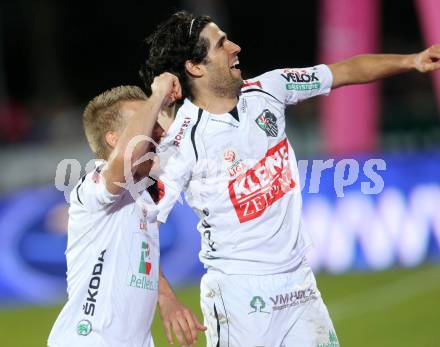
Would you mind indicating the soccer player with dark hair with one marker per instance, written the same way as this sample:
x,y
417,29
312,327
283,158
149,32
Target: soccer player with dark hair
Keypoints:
x,y
239,173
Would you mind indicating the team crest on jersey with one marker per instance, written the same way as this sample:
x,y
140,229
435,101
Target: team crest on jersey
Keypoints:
x,y
262,185
268,122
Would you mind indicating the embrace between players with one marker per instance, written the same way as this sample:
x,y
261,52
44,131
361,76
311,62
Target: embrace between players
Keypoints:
x,y
227,150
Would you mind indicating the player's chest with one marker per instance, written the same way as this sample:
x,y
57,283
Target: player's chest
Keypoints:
x,y
138,244
135,213
234,146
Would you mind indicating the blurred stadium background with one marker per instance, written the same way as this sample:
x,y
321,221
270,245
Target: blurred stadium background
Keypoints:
x,y
377,256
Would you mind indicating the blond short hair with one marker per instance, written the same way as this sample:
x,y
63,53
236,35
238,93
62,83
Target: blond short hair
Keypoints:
x,y
102,114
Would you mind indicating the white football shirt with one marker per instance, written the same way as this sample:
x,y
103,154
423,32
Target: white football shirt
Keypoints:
x,y
239,174
112,268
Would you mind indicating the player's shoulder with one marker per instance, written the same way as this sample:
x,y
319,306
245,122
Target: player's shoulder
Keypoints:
x,y
86,185
287,83
264,85
186,118
259,82
179,133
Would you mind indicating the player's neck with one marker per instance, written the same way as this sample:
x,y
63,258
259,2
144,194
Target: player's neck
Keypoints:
x,y
215,104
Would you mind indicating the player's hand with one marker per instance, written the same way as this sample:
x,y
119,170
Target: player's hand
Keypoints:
x,y
428,60
177,318
167,87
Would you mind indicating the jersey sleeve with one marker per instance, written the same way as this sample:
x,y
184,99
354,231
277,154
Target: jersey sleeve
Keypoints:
x,y
291,86
176,159
91,191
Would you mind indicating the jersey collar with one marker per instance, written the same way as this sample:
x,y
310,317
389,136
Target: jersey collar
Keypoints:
x,y
234,112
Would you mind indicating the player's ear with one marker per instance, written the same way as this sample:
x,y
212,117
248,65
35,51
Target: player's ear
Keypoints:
x,y
111,138
194,70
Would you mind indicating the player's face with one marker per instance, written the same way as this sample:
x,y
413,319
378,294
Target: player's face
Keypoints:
x,y
224,76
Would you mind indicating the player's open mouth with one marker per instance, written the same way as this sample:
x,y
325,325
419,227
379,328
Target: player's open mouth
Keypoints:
x,y
235,66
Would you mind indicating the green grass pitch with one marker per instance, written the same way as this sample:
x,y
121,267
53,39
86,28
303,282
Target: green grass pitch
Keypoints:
x,y
396,308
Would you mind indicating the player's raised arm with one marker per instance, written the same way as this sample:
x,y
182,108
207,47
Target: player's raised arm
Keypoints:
x,y
166,89
372,67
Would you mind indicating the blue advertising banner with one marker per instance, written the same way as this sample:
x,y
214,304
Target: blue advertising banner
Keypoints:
x,y
362,214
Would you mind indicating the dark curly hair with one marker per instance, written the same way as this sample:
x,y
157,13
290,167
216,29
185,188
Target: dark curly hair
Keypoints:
x,y
173,43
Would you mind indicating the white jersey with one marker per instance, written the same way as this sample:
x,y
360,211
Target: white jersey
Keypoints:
x,y
239,174
112,268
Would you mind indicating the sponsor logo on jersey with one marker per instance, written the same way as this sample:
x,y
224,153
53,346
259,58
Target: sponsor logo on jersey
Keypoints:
x,y
93,290
84,327
207,239
229,155
243,106
259,187
234,165
268,122
207,235
143,223
139,279
257,304
292,299
144,264
181,134
301,80
332,340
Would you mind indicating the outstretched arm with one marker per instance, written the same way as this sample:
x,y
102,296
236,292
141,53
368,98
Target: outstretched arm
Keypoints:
x,y
372,67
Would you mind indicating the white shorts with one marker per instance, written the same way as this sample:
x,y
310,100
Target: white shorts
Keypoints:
x,y
282,310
